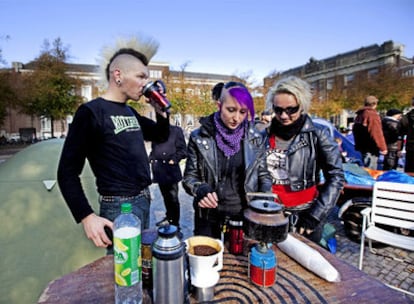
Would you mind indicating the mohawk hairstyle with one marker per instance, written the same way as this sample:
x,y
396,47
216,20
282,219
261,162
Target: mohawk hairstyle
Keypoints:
x,y
139,46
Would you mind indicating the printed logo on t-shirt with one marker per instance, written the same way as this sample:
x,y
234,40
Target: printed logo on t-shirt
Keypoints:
x,y
277,166
125,123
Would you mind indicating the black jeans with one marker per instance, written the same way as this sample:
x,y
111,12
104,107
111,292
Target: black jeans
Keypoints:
x,y
390,160
170,194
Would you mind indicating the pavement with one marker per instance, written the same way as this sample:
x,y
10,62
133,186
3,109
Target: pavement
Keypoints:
x,y
390,265
7,151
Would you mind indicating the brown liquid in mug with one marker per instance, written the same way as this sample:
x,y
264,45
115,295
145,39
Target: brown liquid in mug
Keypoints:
x,y
204,250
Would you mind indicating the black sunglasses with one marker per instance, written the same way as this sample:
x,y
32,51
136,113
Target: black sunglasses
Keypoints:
x,y
288,110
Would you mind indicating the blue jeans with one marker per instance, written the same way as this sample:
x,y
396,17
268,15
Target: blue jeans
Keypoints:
x,y
110,208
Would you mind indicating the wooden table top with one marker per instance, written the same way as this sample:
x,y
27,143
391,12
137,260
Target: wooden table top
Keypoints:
x,y
94,283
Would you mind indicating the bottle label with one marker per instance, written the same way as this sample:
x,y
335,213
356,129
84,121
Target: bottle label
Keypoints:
x,y
127,256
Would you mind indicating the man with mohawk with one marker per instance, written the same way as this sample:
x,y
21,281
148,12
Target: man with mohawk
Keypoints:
x,y
110,135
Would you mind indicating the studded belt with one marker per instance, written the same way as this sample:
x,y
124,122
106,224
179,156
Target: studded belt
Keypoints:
x,y
113,198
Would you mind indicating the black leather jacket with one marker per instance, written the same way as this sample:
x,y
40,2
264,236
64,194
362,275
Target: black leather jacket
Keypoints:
x,y
202,164
312,150
391,132
406,126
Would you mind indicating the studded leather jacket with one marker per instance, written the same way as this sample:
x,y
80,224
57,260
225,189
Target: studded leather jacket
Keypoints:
x,y
311,151
202,165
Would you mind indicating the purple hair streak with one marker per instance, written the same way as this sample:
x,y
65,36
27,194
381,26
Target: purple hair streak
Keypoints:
x,y
243,97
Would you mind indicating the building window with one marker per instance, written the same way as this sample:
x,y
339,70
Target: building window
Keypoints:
x,y
408,72
155,74
45,127
329,84
86,92
349,79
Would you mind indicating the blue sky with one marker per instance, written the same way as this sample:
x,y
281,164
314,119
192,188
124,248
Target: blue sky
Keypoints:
x,y
215,36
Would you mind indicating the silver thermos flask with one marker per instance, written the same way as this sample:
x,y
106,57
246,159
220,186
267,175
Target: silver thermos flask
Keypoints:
x,y
169,267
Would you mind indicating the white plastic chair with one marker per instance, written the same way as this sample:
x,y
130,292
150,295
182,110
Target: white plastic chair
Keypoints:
x,y
392,205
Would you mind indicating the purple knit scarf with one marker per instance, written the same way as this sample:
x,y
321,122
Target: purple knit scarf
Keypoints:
x,y
228,140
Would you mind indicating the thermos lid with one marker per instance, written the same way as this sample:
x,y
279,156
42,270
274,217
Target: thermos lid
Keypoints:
x,y
167,246
167,231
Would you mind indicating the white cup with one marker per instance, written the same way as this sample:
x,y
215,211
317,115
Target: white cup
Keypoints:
x,y
204,269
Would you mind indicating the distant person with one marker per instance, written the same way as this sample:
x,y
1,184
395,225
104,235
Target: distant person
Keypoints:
x,y
110,135
265,119
406,126
368,135
298,151
225,160
391,135
165,160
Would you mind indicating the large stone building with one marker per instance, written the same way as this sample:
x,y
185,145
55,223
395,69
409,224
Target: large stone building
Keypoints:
x,y
368,60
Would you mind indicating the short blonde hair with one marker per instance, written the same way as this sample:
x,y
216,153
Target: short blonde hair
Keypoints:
x,y
291,85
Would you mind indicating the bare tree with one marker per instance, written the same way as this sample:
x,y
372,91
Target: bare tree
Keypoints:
x,y
2,60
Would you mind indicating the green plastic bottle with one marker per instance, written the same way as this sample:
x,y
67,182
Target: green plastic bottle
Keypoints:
x,y
127,257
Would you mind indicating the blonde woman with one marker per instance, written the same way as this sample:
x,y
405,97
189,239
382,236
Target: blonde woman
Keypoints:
x,y
298,149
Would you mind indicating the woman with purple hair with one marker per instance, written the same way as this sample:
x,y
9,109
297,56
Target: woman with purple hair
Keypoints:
x,y
226,159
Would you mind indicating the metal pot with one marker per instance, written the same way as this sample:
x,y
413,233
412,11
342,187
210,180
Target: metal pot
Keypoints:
x,y
265,220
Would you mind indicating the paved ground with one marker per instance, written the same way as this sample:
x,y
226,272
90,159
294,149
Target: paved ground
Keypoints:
x,y
7,151
390,265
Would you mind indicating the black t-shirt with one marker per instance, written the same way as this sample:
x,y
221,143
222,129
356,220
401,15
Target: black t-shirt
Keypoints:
x,y
110,136
230,189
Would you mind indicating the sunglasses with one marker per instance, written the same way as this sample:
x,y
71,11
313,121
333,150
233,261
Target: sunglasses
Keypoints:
x,y
288,110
